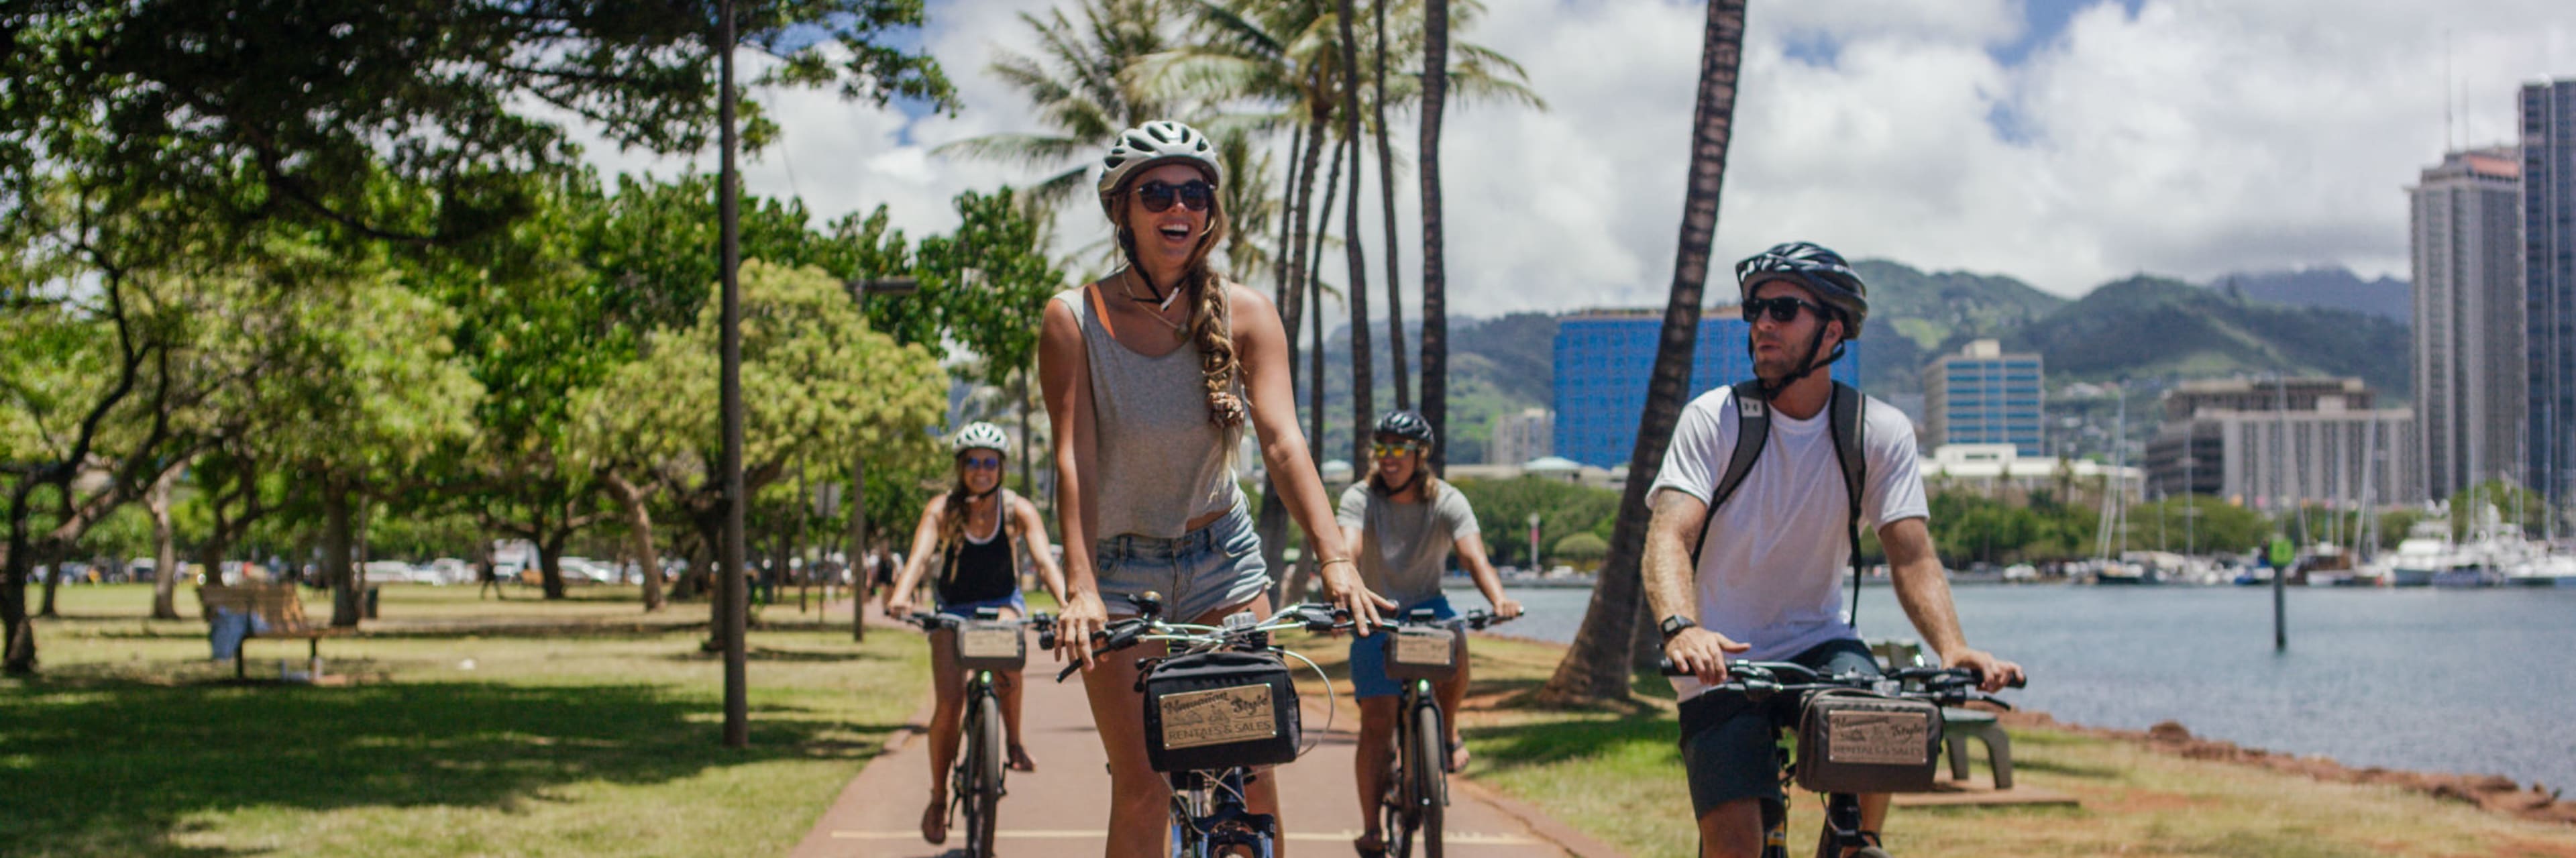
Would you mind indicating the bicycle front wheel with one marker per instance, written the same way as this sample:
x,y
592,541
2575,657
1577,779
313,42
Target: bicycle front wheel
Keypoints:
x,y
984,794
1431,779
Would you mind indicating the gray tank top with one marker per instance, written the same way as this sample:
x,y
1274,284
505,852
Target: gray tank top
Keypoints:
x,y
1161,462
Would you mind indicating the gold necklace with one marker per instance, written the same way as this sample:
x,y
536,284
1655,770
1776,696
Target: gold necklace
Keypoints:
x,y
1179,329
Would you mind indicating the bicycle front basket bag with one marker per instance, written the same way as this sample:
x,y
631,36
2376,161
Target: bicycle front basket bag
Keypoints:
x,y
1424,652
991,645
1858,742
1215,710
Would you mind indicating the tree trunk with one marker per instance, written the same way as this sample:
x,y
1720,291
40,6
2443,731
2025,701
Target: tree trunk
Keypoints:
x,y
165,550
550,563
1028,462
1302,576
52,582
1363,380
1597,666
210,554
1300,273
639,526
858,553
1272,523
1435,300
1386,205
336,566
17,631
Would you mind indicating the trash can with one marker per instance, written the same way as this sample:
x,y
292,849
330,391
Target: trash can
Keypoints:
x,y
370,612
226,631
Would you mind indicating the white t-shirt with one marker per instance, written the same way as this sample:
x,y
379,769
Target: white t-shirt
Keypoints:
x,y
1772,565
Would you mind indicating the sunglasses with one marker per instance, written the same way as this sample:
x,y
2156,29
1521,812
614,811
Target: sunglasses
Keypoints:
x,y
1194,195
979,463
1783,309
1383,449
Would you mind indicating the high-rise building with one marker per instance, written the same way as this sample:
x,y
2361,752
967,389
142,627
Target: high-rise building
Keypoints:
x,y
1983,396
2275,444
2549,285
2470,368
1518,438
1604,359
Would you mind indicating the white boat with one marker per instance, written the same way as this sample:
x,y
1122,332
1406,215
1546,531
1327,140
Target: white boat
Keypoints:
x,y
2425,552
2547,570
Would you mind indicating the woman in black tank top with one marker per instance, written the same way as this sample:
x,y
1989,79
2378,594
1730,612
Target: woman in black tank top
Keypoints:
x,y
967,536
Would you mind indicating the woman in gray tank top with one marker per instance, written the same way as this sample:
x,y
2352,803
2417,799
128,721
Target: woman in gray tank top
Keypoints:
x,y
1150,377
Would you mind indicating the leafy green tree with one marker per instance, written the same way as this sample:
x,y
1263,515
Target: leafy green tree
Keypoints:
x,y
994,269
2513,505
279,108
1581,550
817,384
1503,508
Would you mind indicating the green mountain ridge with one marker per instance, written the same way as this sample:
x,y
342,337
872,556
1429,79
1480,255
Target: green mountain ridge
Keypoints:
x,y
2139,329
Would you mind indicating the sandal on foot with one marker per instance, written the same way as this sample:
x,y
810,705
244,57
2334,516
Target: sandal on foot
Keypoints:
x,y
1020,761
934,821
1450,763
1369,847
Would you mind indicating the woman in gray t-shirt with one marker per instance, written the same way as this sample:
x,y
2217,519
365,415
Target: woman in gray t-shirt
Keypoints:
x,y
1404,523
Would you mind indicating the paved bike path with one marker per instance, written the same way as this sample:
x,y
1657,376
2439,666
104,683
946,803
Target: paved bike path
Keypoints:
x,y
1061,808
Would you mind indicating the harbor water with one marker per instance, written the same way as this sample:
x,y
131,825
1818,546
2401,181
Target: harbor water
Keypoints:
x,y
2470,681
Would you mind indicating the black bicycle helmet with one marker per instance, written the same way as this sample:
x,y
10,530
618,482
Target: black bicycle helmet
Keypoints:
x,y
1406,425
1822,271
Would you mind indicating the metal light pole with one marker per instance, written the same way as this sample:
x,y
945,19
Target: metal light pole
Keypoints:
x,y
859,292
731,595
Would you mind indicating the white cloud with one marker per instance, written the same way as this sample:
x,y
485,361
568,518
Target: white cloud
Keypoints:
x,y
2192,138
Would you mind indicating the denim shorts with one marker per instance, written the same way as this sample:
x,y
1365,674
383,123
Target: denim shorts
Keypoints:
x,y
1368,654
1729,744
1215,566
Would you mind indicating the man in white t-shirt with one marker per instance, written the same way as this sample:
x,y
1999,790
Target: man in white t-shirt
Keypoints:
x,y
1768,586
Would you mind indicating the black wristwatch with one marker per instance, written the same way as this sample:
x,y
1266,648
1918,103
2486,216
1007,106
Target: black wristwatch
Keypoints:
x,y
1674,625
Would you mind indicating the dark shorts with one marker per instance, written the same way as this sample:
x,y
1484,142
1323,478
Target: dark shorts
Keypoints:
x,y
1730,745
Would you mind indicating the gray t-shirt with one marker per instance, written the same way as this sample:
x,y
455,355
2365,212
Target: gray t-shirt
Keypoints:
x,y
1403,546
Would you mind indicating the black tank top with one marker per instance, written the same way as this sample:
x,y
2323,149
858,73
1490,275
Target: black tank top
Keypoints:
x,y
981,571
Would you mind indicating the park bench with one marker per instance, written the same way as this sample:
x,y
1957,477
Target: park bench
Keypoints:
x,y
1958,725
276,611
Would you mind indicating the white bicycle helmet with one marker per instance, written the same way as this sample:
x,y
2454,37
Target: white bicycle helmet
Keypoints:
x,y
1152,144
980,435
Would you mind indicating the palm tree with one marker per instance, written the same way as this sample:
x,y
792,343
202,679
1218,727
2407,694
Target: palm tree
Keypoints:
x,y
1597,666
1386,202
1079,86
1363,398
1435,277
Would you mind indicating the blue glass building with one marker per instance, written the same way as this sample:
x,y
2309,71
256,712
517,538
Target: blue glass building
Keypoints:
x,y
1983,396
1604,359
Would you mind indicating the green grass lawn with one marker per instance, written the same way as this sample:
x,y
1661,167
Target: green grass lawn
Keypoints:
x,y
588,740
1616,774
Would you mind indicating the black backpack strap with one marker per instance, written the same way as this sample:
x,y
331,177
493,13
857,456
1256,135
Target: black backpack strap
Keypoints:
x,y
1752,427
1848,423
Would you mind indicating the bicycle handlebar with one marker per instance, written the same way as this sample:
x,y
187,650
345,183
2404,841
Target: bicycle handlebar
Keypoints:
x,y
1135,630
930,622
1760,679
